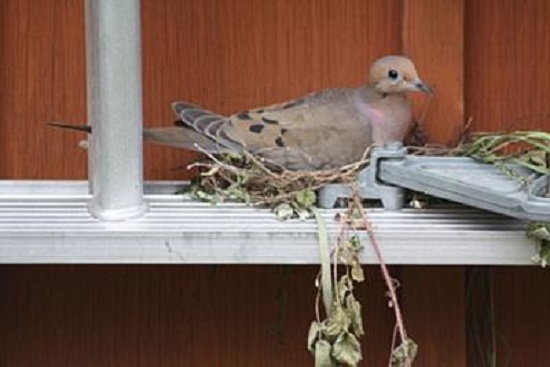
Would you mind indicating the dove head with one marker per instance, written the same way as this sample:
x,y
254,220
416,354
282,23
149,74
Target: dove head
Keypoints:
x,y
396,74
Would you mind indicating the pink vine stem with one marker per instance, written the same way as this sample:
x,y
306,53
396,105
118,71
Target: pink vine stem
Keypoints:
x,y
386,274
389,283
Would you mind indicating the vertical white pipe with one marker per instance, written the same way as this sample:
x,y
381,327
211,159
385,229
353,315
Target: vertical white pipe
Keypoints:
x,y
113,55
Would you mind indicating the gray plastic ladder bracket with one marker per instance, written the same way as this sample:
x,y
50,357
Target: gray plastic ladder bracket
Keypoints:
x,y
458,179
392,197
473,183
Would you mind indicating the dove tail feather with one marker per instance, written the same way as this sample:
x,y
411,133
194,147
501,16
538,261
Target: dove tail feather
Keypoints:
x,y
195,116
61,125
205,122
182,137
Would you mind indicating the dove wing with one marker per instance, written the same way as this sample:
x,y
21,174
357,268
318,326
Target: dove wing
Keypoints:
x,y
324,129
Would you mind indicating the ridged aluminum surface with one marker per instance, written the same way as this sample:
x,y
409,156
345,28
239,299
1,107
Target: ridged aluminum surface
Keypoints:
x,y
48,222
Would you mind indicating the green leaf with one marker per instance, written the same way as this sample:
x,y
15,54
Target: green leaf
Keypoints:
x,y
237,193
303,213
204,196
355,243
337,322
357,273
313,335
404,354
322,354
306,198
542,258
347,350
343,287
283,211
539,230
353,308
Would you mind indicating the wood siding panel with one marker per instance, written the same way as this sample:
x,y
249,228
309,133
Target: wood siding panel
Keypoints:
x,y
433,36
507,58
172,316
42,78
522,311
507,83
434,310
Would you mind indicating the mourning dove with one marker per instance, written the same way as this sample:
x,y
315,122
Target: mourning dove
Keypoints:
x,y
322,130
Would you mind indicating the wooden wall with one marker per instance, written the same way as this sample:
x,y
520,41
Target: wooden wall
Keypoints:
x,y
486,59
507,84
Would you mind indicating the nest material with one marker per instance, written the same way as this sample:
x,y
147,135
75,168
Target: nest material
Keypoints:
x,y
250,178
530,149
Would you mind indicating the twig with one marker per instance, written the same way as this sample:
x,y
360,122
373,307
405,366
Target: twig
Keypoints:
x,y
386,274
266,183
393,296
260,164
393,342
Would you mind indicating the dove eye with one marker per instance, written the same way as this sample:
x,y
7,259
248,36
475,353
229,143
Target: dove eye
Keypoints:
x,y
393,74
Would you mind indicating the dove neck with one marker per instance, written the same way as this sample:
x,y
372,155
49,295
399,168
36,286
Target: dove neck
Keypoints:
x,y
369,93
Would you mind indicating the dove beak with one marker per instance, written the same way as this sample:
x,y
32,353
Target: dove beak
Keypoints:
x,y
419,86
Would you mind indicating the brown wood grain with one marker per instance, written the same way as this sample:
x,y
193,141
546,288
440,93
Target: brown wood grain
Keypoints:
x,y
126,316
507,57
522,304
433,36
507,83
41,79
433,305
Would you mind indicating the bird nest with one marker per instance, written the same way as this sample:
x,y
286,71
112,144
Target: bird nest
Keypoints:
x,y
254,180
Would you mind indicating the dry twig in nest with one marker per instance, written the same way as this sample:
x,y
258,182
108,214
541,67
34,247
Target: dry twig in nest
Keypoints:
x,y
261,182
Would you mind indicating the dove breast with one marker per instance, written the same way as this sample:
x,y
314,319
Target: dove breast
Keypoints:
x,y
389,116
